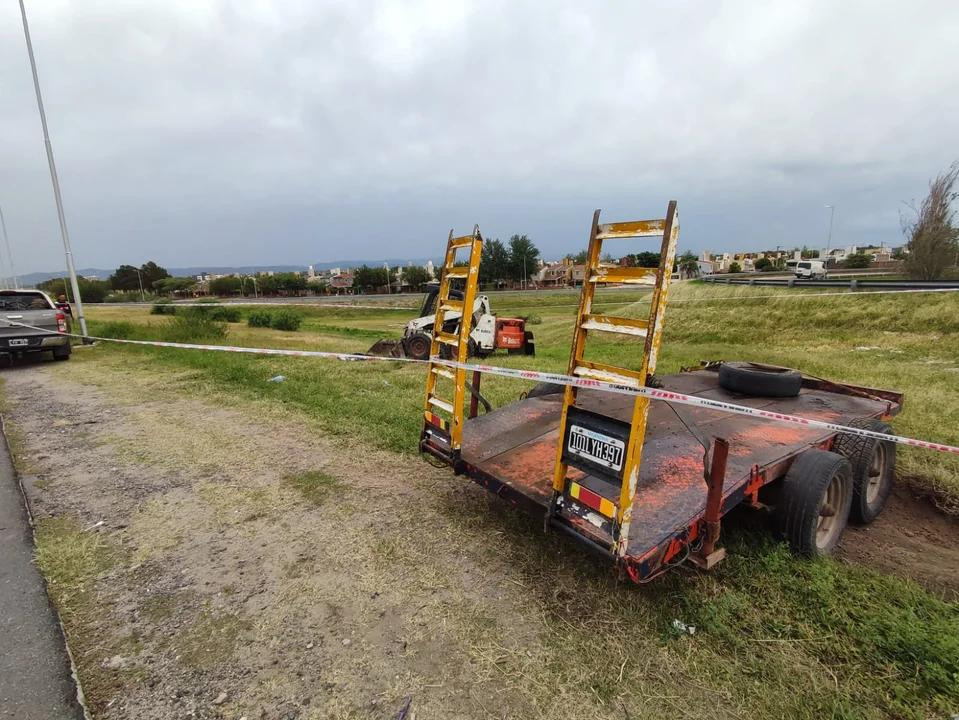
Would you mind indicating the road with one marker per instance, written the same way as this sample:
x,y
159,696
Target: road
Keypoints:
x,y
35,679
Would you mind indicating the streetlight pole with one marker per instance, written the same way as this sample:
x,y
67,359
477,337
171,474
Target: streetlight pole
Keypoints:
x,y
832,212
525,284
140,280
53,176
6,241
388,278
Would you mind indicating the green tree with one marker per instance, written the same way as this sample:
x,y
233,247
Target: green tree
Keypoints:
x,y
857,260
494,266
646,259
125,277
416,276
687,265
933,239
523,258
580,258
366,278
762,264
91,291
228,285
735,267
173,285
151,272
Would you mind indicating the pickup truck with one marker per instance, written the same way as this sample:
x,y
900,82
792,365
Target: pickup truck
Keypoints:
x,y
47,324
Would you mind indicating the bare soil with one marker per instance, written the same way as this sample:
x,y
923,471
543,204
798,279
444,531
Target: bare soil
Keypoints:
x,y
234,595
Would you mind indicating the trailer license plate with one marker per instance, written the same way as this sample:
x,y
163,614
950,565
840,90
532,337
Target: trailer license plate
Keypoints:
x,y
18,342
596,447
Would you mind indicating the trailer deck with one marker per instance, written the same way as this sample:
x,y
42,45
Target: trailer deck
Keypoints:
x,y
512,452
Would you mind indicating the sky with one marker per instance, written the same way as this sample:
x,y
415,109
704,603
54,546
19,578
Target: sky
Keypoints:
x,y
224,133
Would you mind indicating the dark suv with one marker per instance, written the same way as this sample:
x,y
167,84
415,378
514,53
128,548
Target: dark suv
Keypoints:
x,y
47,324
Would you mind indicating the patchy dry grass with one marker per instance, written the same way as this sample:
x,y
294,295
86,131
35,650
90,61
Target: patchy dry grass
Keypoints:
x,y
314,485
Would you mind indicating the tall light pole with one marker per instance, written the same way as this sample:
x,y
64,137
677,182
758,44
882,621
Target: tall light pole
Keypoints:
x,y
6,241
832,212
53,176
140,280
388,278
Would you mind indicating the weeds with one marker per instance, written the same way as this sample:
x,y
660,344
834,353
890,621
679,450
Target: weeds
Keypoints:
x,y
314,485
194,327
284,319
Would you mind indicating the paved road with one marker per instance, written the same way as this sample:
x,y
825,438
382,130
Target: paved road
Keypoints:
x,y
35,680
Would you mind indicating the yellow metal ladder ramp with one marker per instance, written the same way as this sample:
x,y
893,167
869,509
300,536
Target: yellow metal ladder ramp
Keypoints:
x,y
605,448
443,414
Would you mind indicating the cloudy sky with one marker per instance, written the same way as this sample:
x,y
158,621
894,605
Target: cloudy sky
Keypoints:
x,y
243,133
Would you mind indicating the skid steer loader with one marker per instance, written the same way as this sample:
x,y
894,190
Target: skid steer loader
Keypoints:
x,y
489,332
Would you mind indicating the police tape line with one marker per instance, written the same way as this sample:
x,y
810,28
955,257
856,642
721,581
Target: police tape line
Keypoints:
x,y
804,293
537,375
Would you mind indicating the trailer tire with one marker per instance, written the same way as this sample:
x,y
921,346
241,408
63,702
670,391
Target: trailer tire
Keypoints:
x,y
873,467
418,346
759,380
62,352
815,501
542,389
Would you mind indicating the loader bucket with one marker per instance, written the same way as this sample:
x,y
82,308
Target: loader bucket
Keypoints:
x,y
387,348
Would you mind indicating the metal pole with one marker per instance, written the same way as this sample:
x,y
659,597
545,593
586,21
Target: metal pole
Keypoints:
x,y
524,270
6,241
140,280
53,176
388,278
832,212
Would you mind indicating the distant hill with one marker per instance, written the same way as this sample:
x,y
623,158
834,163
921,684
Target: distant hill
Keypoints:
x,y
102,273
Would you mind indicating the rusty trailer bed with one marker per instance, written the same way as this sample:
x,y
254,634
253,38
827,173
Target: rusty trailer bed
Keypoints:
x,y
512,451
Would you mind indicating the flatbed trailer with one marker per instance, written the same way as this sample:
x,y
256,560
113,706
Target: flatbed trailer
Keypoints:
x,y
645,483
511,452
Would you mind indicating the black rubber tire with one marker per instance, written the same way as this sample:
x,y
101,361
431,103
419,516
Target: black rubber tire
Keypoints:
x,y
543,389
803,502
418,346
62,352
870,485
759,380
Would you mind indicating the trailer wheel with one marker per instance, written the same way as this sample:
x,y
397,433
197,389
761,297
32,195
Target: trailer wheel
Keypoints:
x,y
816,496
873,465
418,346
759,380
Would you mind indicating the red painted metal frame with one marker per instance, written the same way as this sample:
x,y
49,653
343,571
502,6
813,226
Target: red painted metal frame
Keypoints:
x,y
509,451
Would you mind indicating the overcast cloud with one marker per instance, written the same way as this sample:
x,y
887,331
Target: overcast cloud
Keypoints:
x,y
243,133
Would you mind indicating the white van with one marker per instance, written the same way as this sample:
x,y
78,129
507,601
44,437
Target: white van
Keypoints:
x,y
810,269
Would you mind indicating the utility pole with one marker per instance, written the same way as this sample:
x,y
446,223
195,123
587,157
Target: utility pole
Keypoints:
x,y
140,280
53,177
6,241
832,212
388,278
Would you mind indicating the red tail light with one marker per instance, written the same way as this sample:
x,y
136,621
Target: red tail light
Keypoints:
x,y
61,322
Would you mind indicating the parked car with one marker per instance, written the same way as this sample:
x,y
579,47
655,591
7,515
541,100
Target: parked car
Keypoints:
x,y
47,324
810,269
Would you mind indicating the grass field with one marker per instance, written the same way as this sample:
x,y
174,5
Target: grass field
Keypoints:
x,y
777,636
904,342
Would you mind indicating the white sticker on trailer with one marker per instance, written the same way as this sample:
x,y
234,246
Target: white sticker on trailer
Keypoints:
x,y
596,447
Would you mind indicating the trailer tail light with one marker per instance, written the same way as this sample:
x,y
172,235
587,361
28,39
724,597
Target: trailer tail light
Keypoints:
x,y
61,322
592,500
510,333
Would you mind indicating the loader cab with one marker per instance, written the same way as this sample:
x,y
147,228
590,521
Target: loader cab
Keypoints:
x,y
429,302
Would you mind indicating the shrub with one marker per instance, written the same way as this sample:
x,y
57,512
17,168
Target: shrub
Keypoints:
x,y
286,320
163,308
193,327
214,312
533,319
259,318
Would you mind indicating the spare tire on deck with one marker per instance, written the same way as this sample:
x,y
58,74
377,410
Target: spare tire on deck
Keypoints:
x,y
759,380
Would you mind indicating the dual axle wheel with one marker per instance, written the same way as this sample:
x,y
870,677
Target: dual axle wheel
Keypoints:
x,y
824,490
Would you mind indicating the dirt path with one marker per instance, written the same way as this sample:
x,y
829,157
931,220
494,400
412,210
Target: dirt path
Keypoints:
x,y
227,561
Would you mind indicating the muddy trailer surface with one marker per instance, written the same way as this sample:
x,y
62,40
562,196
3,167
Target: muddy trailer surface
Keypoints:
x,y
512,452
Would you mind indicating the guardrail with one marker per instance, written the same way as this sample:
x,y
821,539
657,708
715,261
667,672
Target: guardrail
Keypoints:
x,y
852,283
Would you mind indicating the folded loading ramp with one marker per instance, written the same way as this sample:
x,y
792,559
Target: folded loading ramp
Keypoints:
x,y
512,449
